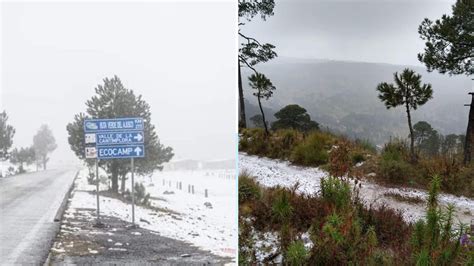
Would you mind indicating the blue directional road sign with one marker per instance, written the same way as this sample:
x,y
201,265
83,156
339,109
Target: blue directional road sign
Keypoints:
x,y
114,138
120,151
117,124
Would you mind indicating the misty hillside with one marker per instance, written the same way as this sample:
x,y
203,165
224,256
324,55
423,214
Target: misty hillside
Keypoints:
x,y
341,95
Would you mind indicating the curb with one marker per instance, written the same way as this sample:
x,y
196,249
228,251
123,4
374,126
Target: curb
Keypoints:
x,y
62,208
59,215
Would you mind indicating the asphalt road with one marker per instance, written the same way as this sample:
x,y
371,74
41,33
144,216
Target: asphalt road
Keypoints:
x,y
28,204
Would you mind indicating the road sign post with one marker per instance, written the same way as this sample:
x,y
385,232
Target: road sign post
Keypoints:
x,y
98,223
117,138
133,193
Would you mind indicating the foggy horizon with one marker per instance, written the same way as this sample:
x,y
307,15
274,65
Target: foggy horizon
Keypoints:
x,y
55,54
348,30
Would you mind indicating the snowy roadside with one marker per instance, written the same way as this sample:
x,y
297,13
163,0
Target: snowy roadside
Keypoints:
x,y
207,223
270,173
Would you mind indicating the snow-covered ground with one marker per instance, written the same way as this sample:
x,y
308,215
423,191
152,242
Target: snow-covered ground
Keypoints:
x,y
270,173
8,169
209,223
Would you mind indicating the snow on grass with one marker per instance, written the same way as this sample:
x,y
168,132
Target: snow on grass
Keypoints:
x,y
184,216
270,173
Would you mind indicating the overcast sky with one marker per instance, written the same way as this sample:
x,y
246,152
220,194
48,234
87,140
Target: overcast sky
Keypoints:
x,y
179,56
355,30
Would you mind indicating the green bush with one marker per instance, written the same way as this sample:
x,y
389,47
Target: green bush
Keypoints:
x,y
282,142
395,151
296,253
313,151
336,192
395,171
466,178
253,141
248,188
141,197
281,208
393,165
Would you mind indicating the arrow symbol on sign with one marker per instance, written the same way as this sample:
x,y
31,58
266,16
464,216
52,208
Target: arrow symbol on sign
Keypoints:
x,y
138,150
138,137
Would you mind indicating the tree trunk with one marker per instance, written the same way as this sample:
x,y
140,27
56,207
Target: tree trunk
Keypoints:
x,y
114,172
468,143
412,138
45,160
263,114
242,118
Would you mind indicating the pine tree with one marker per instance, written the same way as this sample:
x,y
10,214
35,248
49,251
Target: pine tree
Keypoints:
x,y
264,89
251,51
296,117
6,136
407,91
43,144
113,100
449,46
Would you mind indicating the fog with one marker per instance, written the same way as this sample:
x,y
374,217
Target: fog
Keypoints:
x,y
179,55
349,30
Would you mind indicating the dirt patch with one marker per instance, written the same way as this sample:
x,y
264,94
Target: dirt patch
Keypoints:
x,y
118,243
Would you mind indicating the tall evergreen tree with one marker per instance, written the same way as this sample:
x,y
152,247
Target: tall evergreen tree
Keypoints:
x,y
449,48
251,51
6,136
113,100
449,41
296,117
44,143
407,91
422,130
264,90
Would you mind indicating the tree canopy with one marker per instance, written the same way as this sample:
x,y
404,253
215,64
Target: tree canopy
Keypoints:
x,y
6,136
23,156
407,91
294,116
264,90
43,144
449,41
251,51
113,100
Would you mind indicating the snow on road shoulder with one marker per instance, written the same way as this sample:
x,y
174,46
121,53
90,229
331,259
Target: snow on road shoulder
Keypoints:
x,y
270,173
209,223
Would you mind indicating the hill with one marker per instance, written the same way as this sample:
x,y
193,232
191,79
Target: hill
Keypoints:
x,y
341,95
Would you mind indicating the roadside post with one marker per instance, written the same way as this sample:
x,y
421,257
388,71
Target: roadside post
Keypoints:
x,y
117,138
97,181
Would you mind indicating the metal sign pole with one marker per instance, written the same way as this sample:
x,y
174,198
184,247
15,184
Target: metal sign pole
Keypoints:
x,y
97,188
133,193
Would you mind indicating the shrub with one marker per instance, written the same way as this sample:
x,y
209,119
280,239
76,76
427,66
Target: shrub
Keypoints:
x,y
281,208
366,145
141,197
296,253
336,192
282,142
313,151
466,177
395,151
436,242
395,171
248,188
253,141
339,159
357,157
